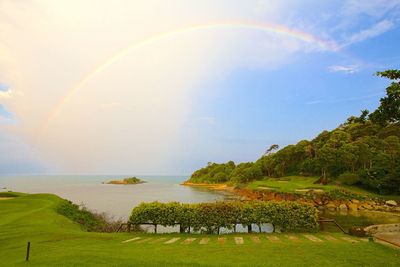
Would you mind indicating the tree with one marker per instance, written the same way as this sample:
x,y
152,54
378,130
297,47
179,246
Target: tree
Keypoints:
x,y
389,109
271,149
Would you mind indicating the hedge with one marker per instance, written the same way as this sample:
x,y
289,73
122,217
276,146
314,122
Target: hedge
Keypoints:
x,y
210,217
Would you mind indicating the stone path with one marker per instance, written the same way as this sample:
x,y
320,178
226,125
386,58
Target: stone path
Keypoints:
x,y
256,239
273,238
173,240
221,240
143,240
189,241
313,238
158,240
330,238
292,238
239,240
204,241
130,240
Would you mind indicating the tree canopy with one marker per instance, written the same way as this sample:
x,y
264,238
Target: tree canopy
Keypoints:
x,y
363,151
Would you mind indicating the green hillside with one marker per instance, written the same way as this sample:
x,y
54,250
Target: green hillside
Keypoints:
x,y
364,151
58,241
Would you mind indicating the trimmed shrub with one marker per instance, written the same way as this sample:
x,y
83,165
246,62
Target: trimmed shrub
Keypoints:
x,y
210,217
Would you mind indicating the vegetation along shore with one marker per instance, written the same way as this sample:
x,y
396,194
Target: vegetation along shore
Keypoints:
x,y
127,181
353,167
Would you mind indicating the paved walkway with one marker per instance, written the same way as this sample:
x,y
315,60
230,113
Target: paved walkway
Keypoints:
x,y
240,240
390,238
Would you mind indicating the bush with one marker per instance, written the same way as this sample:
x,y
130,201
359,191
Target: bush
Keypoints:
x,y
88,220
349,178
210,217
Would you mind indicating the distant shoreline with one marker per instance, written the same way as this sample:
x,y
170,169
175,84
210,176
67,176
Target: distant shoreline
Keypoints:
x,y
126,181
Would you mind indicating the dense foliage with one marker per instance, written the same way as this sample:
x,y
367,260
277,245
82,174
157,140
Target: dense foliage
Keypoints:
x,y
91,222
132,180
210,217
363,151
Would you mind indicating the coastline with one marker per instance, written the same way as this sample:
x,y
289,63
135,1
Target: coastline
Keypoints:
x,y
317,200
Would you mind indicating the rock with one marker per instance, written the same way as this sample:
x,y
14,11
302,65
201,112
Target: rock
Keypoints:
x,y
342,207
357,231
331,206
391,203
355,201
367,206
352,207
382,228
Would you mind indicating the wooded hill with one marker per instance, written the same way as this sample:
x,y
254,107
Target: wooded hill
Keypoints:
x,y
363,151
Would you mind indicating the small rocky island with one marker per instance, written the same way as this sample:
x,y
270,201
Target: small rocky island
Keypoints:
x,y
127,181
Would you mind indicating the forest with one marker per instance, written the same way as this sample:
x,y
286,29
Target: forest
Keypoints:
x,y
363,151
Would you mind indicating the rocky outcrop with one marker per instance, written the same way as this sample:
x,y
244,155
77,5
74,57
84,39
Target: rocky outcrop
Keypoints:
x,y
391,203
315,197
382,228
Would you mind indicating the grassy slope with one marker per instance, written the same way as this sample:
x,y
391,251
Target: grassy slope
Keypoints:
x,y
56,241
291,183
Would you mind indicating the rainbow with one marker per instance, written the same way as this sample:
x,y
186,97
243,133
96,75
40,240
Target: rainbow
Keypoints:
x,y
265,27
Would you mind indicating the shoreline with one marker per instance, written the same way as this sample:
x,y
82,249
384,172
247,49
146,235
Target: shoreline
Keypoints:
x,y
347,205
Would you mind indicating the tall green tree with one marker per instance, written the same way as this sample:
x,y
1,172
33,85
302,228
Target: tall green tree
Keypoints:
x,y
389,109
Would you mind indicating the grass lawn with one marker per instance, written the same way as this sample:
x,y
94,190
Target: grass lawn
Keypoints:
x,y
292,183
56,241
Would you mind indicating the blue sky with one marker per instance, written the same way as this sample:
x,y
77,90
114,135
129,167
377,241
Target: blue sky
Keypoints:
x,y
173,104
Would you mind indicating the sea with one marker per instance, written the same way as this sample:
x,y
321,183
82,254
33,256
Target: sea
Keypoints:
x,y
116,201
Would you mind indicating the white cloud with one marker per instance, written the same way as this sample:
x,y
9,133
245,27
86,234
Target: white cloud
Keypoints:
x,y
373,31
374,8
128,116
346,69
5,94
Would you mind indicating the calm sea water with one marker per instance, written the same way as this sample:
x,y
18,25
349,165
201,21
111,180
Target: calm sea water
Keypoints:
x,y
116,200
